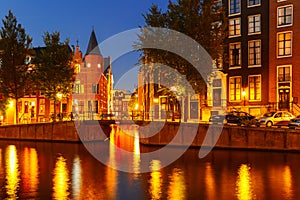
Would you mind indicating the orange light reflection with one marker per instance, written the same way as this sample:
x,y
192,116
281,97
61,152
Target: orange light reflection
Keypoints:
x,y
287,181
177,187
30,168
12,172
155,188
244,189
61,179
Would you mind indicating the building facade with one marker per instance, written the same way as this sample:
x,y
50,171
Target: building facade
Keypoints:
x,y
91,96
248,55
92,88
284,54
263,55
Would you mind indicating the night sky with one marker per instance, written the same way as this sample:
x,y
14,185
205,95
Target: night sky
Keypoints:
x,y
75,19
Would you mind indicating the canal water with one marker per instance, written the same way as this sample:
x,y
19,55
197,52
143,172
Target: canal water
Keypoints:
x,y
41,170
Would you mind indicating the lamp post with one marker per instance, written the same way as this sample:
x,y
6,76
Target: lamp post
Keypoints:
x,y
244,97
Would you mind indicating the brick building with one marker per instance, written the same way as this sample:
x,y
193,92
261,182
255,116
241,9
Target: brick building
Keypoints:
x,y
263,55
92,89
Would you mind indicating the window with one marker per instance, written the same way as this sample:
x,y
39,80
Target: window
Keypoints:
x,y
253,2
95,106
235,54
285,15
235,27
284,44
255,88
81,106
78,88
284,73
42,106
95,88
235,88
254,24
254,50
234,7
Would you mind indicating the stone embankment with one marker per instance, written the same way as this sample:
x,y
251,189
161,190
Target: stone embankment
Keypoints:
x,y
232,137
161,134
67,131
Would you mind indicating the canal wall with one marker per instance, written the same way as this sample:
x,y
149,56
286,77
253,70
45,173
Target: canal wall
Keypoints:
x,y
66,131
232,137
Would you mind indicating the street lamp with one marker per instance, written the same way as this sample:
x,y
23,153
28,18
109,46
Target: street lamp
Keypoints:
x,y
244,96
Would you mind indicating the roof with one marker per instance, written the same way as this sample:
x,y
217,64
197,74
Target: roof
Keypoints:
x,y
93,48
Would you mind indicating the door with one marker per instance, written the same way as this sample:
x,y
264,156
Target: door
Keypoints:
x,y
284,98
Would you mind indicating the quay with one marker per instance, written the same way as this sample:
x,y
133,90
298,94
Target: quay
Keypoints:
x,y
64,131
160,134
232,137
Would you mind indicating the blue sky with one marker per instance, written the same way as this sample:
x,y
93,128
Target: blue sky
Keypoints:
x,y
75,19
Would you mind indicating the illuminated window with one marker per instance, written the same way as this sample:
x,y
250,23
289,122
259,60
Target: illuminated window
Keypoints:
x,y
78,88
255,87
234,7
77,68
284,44
42,106
235,27
89,65
254,51
235,88
285,15
254,24
99,66
235,54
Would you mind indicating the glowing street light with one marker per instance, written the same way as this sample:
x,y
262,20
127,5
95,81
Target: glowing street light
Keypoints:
x,y
59,95
244,96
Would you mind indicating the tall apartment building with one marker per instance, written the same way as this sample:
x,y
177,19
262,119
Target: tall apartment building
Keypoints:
x,y
248,52
263,55
284,54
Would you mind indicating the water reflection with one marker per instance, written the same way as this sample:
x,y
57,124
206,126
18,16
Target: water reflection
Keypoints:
x,y
155,181
210,181
244,184
136,153
12,172
68,171
287,182
30,170
177,185
111,173
61,179
76,178
1,168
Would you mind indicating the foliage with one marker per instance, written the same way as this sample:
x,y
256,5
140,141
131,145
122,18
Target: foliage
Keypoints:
x,y
16,46
54,72
203,21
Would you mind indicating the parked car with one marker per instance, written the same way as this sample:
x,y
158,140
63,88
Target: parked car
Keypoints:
x,y
294,123
279,118
235,117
